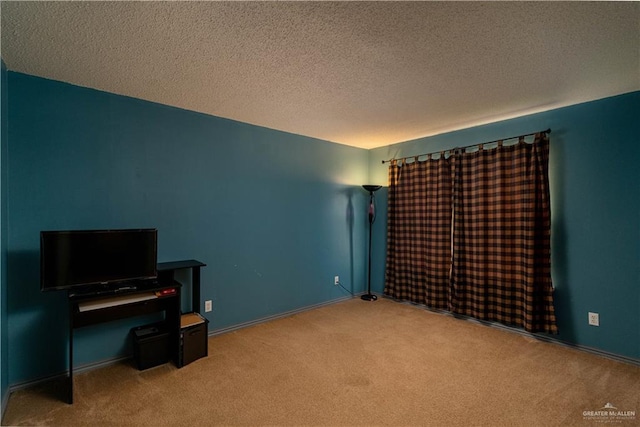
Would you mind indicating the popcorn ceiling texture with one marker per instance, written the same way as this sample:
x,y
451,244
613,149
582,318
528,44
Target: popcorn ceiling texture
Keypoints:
x,y
365,74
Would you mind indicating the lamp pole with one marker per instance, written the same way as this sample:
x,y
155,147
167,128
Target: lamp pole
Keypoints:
x,y
372,216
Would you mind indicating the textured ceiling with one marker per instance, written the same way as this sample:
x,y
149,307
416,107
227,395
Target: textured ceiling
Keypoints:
x,y
359,73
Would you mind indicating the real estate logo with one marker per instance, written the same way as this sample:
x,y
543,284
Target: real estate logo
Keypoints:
x,y
609,414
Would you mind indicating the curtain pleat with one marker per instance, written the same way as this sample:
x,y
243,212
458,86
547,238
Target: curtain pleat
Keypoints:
x,y
501,268
419,232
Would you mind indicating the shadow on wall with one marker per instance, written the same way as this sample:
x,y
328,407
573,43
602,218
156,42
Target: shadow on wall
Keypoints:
x,y
350,220
354,207
559,270
32,310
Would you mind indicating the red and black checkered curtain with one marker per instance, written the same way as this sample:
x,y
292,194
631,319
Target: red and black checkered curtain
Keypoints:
x,y
502,236
419,232
497,266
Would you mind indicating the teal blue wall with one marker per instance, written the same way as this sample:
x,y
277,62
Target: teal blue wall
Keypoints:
x,y
595,192
4,330
275,216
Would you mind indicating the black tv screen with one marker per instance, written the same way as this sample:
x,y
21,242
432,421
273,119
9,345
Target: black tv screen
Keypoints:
x,y
86,257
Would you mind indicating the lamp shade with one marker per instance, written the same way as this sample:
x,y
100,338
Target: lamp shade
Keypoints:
x,y
372,188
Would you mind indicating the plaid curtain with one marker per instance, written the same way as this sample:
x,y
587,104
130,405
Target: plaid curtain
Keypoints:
x,y
493,261
501,236
419,232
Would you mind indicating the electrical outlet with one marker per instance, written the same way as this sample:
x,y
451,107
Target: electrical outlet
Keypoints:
x,y
336,280
594,319
208,306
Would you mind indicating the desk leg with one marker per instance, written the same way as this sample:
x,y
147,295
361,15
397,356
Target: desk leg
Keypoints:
x,y
172,314
70,378
195,289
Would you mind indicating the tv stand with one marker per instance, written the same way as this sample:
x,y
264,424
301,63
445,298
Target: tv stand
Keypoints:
x,y
87,310
132,299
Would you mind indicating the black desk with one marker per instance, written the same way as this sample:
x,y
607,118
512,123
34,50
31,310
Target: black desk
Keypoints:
x,y
92,310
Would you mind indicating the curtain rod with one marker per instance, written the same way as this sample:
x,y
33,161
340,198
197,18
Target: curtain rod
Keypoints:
x,y
468,146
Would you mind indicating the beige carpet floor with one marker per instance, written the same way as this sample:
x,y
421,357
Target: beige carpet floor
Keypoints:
x,y
352,363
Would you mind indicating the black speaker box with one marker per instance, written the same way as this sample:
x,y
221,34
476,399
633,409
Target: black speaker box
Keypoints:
x,y
193,338
150,345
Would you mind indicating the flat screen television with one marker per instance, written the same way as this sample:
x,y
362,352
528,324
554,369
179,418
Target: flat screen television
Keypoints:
x,y
94,258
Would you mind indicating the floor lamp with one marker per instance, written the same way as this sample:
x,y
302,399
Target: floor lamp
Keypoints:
x,y
372,217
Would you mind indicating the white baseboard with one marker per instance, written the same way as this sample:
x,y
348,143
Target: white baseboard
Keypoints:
x,y
5,402
538,336
277,316
64,374
111,361
107,362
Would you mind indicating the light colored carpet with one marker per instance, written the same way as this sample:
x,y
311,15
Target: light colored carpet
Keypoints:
x,y
351,363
